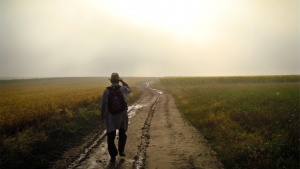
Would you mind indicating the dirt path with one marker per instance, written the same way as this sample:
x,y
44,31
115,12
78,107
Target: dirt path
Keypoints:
x,y
176,144
158,137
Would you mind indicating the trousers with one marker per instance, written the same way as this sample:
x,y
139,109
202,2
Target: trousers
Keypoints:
x,y
113,152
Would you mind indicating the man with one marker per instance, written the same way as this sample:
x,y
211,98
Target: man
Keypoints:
x,y
115,121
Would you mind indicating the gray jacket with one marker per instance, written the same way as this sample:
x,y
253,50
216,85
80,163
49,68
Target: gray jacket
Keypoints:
x,y
115,121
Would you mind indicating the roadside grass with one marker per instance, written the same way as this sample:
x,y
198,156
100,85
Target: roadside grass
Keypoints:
x,y
41,118
251,125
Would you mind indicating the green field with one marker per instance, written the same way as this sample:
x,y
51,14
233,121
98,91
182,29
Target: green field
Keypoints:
x,y
41,118
252,122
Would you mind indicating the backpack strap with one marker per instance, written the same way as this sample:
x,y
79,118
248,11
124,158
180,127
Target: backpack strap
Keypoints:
x,y
111,87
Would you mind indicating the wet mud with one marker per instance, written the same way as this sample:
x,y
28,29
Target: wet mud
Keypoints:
x,y
140,158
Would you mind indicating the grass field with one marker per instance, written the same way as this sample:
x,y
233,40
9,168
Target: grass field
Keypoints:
x,y
40,118
252,122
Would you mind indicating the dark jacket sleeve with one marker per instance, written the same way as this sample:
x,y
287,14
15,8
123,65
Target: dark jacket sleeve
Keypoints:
x,y
103,103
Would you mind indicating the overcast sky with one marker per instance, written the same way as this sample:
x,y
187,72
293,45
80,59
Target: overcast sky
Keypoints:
x,y
59,38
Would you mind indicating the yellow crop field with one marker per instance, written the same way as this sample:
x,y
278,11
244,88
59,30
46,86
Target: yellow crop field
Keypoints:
x,y
37,115
23,105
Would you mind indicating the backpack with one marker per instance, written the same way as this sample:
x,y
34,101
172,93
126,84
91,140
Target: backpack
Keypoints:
x,y
116,102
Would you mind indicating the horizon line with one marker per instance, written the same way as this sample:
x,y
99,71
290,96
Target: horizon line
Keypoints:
x,y
51,77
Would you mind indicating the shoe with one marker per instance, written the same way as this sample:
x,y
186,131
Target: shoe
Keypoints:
x,y
122,154
112,160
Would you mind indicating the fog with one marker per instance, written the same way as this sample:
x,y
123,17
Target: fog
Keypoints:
x,y
60,38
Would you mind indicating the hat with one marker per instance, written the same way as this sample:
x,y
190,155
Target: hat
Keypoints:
x,y
115,76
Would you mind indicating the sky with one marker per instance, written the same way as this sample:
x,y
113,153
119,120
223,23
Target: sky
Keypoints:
x,y
63,38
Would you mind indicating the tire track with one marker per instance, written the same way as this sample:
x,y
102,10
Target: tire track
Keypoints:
x,y
140,158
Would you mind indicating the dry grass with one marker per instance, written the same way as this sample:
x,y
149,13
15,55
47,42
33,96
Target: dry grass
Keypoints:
x,y
40,118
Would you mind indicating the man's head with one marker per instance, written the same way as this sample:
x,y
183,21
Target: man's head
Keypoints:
x,y
115,78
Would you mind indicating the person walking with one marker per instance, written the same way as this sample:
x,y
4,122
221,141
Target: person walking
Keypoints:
x,y
114,113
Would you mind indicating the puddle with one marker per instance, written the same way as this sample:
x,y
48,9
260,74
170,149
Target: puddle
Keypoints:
x,y
158,91
132,110
148,84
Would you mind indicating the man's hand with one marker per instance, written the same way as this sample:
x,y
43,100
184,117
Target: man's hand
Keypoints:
x,y
124,83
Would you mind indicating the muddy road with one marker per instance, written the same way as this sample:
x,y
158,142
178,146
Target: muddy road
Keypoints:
x,y
157,137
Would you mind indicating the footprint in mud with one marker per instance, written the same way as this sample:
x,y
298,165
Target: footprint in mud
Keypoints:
x,y
118,164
